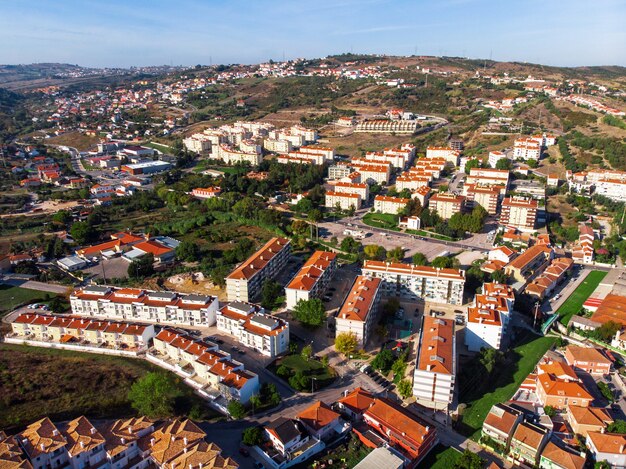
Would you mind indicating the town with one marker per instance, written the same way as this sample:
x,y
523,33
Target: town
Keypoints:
x,y
358,260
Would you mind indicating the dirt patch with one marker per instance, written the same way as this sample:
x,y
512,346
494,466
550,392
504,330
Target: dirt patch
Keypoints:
x,y
195,283
78,140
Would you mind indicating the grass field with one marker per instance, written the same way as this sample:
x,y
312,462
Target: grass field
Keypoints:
x,y
63,384
382,220
575,301
440,457
157,146
12,297
324,375
501,389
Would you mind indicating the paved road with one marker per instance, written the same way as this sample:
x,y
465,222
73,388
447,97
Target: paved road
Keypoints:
x,y
34,285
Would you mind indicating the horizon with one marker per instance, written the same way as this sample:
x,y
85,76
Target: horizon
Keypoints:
x,y
118,35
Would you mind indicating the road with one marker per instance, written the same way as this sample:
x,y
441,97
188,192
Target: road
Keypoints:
x,y
34,285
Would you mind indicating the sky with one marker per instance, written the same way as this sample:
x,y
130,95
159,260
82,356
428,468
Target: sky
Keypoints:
x,y
123,33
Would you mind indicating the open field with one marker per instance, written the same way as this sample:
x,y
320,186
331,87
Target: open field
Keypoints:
x,y
78,140
440,457
382,220
12,297
479,402
574,303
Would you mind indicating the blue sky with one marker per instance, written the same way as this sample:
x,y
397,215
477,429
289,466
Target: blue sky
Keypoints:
x,y
185,32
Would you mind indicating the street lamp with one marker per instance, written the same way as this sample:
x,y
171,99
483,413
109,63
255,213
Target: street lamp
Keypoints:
x,y
312,378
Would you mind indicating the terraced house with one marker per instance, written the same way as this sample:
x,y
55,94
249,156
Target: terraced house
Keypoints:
x,y
131,304
245,282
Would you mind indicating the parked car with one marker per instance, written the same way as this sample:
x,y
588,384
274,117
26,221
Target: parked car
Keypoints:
x,y
244,451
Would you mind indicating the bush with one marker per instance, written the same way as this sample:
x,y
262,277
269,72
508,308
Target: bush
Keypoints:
x,y
236,409
252,436
154,395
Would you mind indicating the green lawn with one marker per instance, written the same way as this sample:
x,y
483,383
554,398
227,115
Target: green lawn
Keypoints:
x,y
158,146
324,375
572,305
382,220
12,297
502,388
440,457
430,234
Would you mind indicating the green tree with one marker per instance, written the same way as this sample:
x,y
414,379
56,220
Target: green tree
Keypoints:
x,y
396,254
188,251
255,401
82,232
316,215
469,460
310,312
375,252
141,268
490,358
307,352
283,371
499,276
419,259
405,388
549,410
252,436
57,305
606,391
383,361
442,262
271,294
348,244
300,227
619,426
346,342
154,395
503,164
474,163
236,409
398,368
62,217
391,307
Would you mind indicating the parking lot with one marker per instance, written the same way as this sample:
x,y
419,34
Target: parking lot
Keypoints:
x,y
115,267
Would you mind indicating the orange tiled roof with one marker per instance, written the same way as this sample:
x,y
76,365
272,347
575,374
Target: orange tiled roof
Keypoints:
x,y
317,416
260,259
436,346
359,301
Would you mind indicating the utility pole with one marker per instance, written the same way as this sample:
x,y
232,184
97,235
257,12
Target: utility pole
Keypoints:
x,y
536,314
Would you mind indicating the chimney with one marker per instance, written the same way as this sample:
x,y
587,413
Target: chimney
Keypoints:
x,y
55,432
93,431
123,441
82,444
185,441
621,448
152,440
43,447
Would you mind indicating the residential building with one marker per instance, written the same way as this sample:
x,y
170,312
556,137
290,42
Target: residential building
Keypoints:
x,y
345,200
327,153
361,189
435,368
587,359
381,457
495,156
387,126
391,205
230,155
197,143
558,456
290,444
277,146
253,328
558,386
449,154
527,442
491,177
446,204
321,421
429,283
497,258
485,196
312,279
588,419
609,447
355,403
147,167
500,424
300,158
544,284
422,194
359,311
583,250
519,213
488,319
526,149
338,171
206,193
144,305
374,174
410,223
245,282
388,424
530,261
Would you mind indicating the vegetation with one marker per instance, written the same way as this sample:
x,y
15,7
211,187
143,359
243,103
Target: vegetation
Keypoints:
x,y
419,259
154,395
469,460
303,374
619,426
12,297
310,312
272,295
440,457
346,343
253,436
575,301
614,121
383,361
606,391
405,388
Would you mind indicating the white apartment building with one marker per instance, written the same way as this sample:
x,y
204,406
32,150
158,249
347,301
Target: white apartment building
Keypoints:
x,y
410,223
495,156
387,126
245,282
487,320
545,140
206,192
345,200
312,279
519,213
406,280
339,171
197,143
229,155
485,196
397,160
371,172
446,204
309,135
526,149
412,181
450,155
129,304
300,158
277,146
359,311
392,205
327,152
359,188
487,176
253,328
435,367
422,194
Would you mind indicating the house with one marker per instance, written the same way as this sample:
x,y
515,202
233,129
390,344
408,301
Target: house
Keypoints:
x,y
321,421
289,444
435,368
558,386
527,442
556,456
530,261
355,403
587,419
359,311
500,424
206,193
162,253
43,445
588,359
609,447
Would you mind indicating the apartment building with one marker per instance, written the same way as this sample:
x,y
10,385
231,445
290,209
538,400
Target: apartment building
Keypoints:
x,y
387,126
253,328
500,424
435,368
446,204
277,146
359,311
406,280
197,143
488,318
245,282
487,197
583,250
300,158
412,181
230,155
422,194
397,157
495,156
359,188
339,171
312,279
519,213
609,183
129,304
489,177
326,152
345,200
526,149
449,154
544,140
392,205
372,173
309,135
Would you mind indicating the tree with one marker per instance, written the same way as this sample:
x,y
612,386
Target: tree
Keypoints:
x,y
56,305
549,410
283,371
489,358
375,252
405,388
271,294
316,215
154,395
255,401
310,312
469,460
141,268
299,227
82,232
236,409
252,436
619,426
383,360
499,276
474,163
442,262
419,259
307,352
398,368
391,307
346,342
188,251
396,254
503,164
348,244
62,217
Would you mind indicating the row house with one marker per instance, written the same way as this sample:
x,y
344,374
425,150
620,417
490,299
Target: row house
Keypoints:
x,y
556,454
544,284
429,283
527,443
588,419
435,368
359,312
391,205
144,305
446,204
500,424
254,329
387,126
532,260
343,200
245,282
312,279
